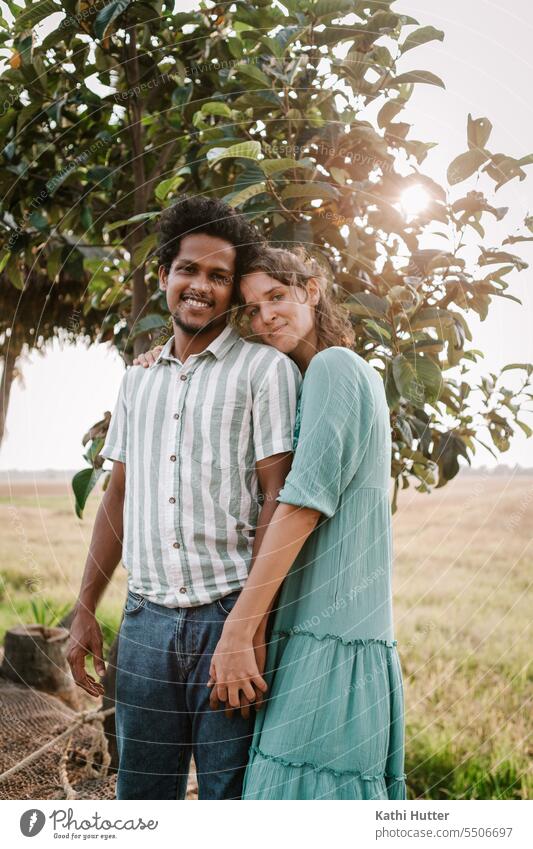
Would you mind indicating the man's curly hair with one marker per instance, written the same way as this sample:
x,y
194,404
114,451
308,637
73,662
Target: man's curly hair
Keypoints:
x,y
213,217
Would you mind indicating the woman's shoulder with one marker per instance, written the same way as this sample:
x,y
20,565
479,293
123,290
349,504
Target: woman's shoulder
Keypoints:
x,y
337,363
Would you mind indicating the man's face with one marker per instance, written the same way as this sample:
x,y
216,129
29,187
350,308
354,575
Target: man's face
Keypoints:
x,y
199,284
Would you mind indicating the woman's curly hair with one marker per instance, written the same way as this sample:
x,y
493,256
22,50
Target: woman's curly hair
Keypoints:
x,y
296,267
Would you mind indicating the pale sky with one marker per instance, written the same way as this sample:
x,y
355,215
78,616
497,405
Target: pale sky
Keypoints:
x,y
485,63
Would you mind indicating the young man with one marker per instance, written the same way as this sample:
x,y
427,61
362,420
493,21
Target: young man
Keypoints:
x,y
197,441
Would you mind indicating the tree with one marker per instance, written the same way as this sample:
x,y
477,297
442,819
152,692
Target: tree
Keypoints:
x,y
292,114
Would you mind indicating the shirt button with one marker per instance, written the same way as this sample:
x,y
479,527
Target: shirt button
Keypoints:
x,y
172,500
176,544
172,457
183,589
176,415
183,377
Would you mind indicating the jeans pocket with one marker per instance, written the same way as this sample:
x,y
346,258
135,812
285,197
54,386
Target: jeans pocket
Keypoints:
x,y
226,604
134,603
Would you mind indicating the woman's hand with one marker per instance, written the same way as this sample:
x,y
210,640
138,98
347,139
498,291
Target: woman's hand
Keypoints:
x,y
234,673
148,358
260,650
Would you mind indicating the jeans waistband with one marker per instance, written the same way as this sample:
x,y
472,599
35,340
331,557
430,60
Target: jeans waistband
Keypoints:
x,y
178,611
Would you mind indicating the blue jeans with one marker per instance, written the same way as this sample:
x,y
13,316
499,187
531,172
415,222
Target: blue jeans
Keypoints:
x,y
162,704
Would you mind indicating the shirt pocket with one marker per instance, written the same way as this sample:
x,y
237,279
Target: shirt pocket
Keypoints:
x,y
222,441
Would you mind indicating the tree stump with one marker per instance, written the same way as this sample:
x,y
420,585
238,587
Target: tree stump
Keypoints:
x,y
36,656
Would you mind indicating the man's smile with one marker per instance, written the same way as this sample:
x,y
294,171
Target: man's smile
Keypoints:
x,y
196,303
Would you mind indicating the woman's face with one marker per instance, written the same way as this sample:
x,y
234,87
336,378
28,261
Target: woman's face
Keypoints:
x,y
281,316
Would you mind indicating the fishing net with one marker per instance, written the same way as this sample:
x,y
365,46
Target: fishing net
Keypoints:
x,y
74,767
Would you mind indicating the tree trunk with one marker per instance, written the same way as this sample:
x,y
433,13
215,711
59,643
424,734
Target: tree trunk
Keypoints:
x,y
136,235
8,375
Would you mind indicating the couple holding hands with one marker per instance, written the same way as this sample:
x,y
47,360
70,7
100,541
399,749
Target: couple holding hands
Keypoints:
x,y
249,503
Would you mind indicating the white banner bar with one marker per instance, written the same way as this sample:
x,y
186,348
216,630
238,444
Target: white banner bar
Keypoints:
x,y
309,825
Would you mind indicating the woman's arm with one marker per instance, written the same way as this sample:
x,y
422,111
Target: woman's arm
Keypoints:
x,y
233,666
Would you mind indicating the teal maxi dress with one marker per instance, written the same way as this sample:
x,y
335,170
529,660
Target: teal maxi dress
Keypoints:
x,y
332,726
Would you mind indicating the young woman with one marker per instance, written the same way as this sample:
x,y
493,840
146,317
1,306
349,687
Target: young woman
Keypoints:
x,y
332,722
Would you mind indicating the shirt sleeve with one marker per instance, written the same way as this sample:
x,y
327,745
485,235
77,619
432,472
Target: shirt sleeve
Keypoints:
x,y
274,409
117,435
337,413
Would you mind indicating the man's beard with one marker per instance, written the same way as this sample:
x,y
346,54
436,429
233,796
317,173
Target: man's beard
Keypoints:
x,y
192,330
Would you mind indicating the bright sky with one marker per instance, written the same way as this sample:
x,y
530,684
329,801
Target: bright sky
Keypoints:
x,y
485,63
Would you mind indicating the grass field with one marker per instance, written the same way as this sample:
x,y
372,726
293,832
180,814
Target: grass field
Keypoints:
x,y
462,612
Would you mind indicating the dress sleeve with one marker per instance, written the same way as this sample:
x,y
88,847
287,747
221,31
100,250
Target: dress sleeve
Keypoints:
x,y
337,413
117,435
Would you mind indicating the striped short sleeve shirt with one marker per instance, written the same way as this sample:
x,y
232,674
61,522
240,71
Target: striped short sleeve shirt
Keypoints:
x,y
190,434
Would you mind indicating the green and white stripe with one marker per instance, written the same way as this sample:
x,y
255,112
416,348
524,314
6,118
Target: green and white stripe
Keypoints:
x,y
237,405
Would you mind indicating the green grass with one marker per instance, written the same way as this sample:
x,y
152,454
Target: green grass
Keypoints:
x,y
442,770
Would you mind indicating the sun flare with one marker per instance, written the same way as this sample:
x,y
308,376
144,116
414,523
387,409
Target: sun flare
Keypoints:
x,y
414,200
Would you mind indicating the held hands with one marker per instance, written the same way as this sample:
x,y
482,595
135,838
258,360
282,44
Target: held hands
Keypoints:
x,y
148,358
236,673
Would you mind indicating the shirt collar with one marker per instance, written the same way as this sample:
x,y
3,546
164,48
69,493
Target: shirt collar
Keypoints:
x,y
219,347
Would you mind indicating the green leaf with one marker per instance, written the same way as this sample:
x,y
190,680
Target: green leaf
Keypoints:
x,y
14,272
317,190
431,317
465,165
107,15
418,378
367,304
143,216
94,449
388,112
166,186
492,257
82,484
478,132
526,428
242,150
325,8
216,107
53,265
33,13
275,166
4,260
379,331
421,36
510,366
145,247
254,74
147,324
418,77
239,198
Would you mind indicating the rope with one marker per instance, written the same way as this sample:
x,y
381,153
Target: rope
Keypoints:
x,y
86,716
65,783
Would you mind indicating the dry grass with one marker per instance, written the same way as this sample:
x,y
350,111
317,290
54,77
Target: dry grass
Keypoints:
x,y
463,621
44,546
462,611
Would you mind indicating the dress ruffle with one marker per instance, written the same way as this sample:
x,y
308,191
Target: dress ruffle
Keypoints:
x,y
291,780
332,725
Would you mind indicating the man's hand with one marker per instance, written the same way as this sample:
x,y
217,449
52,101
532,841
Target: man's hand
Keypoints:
x,y
86,639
